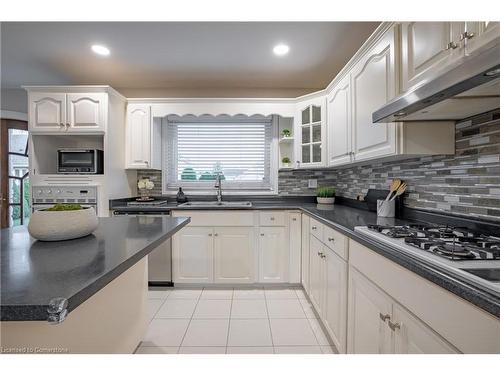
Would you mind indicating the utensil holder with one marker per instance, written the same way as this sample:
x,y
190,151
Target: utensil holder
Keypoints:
x,y
386,208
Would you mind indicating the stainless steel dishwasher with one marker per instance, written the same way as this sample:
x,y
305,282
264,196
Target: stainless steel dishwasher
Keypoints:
x,y
160,259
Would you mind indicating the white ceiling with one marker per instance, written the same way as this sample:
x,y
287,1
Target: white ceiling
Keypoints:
x,y
210,55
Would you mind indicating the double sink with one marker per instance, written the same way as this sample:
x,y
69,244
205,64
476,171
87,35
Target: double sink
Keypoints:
x,y
212,204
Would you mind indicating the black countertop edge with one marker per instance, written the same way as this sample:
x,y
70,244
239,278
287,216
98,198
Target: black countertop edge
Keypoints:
x,y
39,312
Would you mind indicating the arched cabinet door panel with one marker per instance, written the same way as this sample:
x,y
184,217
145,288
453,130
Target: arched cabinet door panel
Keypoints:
x,y
138,136
47,112
86,112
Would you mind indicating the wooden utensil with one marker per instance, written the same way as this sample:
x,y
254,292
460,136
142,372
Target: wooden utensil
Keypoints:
x,y
401,190
394,186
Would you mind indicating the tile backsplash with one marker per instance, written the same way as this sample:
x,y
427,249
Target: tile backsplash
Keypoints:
x,y
467,183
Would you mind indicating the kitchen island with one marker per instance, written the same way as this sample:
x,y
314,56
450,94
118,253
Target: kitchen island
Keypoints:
x,y
86,295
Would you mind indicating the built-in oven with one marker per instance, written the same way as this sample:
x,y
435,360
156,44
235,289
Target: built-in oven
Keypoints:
x,y
46,196
80,161
160,259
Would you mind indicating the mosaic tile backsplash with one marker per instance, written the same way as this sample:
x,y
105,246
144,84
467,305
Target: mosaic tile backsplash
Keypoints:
x,y
467,183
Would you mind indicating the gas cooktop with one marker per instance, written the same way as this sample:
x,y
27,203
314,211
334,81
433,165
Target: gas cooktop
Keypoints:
x,y
471,255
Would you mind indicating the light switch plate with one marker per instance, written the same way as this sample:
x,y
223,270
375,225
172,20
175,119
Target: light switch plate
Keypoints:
x,y
312,184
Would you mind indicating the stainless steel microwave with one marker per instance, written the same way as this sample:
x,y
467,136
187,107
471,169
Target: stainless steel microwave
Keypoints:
x,y
80,161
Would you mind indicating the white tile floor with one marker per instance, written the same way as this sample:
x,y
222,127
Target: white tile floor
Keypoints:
x,y
232,321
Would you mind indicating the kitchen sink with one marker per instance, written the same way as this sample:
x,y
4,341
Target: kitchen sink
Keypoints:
x,y
211,204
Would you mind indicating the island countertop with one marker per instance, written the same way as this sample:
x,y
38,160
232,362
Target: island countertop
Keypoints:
x,y
35,272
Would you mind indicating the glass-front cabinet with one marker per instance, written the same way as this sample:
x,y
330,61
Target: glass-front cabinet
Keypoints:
x,y
311,131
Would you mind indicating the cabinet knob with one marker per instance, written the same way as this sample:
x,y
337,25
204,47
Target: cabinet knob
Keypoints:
x,y
394,326
294,219
216,234
466,35
384,317
314,228
262,234
272,218
210,235
451,45
323,256
331,239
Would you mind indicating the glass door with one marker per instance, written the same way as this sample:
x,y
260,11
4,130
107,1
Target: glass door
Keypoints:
x,y
15,191
311,135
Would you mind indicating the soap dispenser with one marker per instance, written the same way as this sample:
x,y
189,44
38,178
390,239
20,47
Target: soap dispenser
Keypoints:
x,y
181,197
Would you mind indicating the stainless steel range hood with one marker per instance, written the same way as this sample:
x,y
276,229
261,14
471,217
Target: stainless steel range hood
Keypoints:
x,y
471,88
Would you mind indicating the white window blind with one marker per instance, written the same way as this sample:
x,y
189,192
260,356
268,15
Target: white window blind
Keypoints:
x,y
238,149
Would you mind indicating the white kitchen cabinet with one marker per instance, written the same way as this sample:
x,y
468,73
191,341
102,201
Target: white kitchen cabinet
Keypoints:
x,y
192,255
273,255
335,300
295,246
305,253
339,123
68,112
411,336
143,138
86,112
234,255
373,84
480,35
47,111
369,309
310,132
316,274
428,48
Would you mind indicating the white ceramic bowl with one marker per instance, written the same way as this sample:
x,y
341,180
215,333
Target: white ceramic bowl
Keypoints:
x,y
62,225
330,200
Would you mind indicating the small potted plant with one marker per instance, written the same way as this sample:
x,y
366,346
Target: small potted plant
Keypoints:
x,y
286,162
285,133
326,195
145,184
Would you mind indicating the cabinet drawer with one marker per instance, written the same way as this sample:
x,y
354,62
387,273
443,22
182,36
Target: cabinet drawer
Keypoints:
x,y
335,241
316,229
272,218
218,218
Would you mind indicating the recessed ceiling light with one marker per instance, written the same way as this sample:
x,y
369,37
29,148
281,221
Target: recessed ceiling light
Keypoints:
x,y
281,49
100,50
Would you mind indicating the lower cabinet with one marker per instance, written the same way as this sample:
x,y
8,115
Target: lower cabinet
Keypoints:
x,y
328,290
234,255
273,255
192,255
377,324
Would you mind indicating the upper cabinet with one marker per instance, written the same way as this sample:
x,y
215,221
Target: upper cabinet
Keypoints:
x,y
373,84
310,130
68,113
339,123
138,136
427,47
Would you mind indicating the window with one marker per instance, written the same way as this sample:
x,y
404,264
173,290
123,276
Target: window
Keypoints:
x,y
239,148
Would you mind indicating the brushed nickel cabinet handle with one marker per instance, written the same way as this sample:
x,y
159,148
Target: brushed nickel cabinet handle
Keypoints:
x,y
314,228
451,45
216,234
331,239
210,235
384,317
294,219
466,35
262,234
394,326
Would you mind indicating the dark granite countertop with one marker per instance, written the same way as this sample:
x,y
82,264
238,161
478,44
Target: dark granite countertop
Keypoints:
x,y
345,218
34,272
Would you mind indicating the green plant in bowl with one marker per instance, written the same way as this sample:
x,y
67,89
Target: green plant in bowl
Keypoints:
x,y
65,207
286,133
325,195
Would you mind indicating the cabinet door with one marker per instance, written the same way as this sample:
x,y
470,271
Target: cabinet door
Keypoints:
x,y
339,123
234,255
373,85
273,255
295,241
481,35
335,306
305,253
138,136
310,133
192,255
47,112
426,49
367,333
316,276
412,336
86,112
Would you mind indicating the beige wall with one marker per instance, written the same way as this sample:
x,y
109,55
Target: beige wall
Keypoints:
x,y
15,100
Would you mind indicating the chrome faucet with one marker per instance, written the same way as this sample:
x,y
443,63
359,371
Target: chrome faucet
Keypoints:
x,y
218,186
